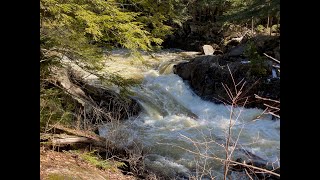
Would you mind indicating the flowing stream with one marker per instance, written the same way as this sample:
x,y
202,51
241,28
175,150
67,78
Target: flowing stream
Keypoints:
x,y
176,125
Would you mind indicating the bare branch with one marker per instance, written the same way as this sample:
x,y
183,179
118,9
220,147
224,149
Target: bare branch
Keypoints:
x,y
274,114
272,107
224,160
271,58
258,97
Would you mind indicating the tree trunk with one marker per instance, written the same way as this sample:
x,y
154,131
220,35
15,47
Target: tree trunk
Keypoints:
x,y
271,25
71,140
71,136
278,23
268,23
252,24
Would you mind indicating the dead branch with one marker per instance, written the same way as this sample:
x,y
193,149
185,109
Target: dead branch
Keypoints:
x,y
278,67
274,114
224,160
271,58
272,107
248,174
266,99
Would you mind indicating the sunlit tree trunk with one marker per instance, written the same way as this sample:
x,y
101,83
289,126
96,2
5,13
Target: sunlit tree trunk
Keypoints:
x,y
271,25
252,24
268,22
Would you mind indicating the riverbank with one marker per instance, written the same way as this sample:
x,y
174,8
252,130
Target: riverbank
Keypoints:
x,y
71,165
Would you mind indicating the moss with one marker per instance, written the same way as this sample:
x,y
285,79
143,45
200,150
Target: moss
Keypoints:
x,y
56,176
95,159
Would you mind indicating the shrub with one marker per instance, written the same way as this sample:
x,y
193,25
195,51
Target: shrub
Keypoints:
x,y
275,28
55,107
260,28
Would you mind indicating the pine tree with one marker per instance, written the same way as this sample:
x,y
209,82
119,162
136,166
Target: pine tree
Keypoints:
x,y
243,10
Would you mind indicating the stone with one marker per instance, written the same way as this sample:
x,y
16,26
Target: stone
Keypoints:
x,y
237,51
206,74
207,49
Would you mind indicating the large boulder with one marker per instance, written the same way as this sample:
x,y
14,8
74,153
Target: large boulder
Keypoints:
x,y
207,74
185,69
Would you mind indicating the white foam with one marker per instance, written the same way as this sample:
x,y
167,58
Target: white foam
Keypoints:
x,y
166,122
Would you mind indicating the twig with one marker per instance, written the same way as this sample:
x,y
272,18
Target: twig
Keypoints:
x,y
272,107
274,114
271,58
258,97
248,174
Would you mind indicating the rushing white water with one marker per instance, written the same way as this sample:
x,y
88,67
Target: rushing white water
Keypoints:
x,y
173,117
274,73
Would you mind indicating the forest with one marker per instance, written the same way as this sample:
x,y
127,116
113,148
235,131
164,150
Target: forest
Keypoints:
x,y
160,89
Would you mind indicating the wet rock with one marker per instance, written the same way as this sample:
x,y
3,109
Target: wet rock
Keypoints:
x,y
236,51
206,74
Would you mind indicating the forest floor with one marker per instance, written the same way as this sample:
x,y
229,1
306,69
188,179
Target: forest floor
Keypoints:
x,y
69,166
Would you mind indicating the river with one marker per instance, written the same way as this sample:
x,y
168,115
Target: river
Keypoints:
x,y
184,135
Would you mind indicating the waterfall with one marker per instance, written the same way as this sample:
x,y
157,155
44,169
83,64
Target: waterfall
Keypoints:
x,y
174,118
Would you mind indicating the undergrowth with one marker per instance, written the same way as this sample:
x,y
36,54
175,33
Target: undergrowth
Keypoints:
x,y
55,105
93,158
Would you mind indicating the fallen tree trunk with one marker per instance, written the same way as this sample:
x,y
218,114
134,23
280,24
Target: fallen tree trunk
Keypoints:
x,y
81,133
71,140
64,140
71,136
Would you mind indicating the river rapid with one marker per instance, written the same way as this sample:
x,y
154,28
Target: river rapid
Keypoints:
x,y
184,136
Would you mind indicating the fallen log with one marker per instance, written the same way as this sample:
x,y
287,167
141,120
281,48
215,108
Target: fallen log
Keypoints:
x,y
71,140
72,136
81,133
64,140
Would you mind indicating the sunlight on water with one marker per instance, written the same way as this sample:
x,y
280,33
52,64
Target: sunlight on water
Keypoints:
x,y
173,116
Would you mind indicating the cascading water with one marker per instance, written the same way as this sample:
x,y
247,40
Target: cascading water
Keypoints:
x,y
174,119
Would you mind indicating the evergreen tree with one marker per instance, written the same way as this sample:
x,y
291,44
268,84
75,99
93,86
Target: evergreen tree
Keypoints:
x,y
79,28
243,10
159,16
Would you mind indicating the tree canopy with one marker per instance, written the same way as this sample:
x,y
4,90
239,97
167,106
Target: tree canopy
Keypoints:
x,y
80,27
